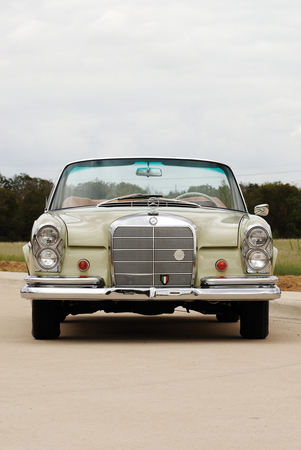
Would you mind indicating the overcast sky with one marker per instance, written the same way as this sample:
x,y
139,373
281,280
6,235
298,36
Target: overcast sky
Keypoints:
x,y
210,79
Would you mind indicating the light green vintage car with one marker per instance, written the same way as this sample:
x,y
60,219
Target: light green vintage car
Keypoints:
x,y
148,235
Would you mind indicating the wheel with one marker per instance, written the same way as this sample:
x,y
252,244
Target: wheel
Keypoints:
x,y
227,317
46,315
254,319
191,194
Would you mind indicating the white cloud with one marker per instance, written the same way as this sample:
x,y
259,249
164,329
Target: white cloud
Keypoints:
x,y
215,80
27,32
297,132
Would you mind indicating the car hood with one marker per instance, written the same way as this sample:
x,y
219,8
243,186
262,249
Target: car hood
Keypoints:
x,y
90,227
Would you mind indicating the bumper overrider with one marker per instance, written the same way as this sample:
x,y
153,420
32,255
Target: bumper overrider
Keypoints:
x,y
92,289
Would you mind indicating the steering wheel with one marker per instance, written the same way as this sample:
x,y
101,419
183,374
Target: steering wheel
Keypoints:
x,y
199,194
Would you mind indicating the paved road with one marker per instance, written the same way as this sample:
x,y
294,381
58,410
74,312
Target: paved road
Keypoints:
x,y
131,382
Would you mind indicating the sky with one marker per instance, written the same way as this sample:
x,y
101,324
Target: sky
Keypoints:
x,y
204,79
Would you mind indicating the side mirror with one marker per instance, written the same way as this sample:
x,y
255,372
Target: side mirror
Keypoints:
x,y
262,210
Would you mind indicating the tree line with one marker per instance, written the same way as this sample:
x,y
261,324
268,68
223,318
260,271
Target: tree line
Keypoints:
x,y
285,206
23,199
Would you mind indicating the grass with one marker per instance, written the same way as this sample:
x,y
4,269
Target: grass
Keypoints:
x,y
289,257
288,260
11,251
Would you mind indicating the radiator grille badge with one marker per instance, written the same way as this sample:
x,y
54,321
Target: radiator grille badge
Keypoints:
x,y
164,279
153,220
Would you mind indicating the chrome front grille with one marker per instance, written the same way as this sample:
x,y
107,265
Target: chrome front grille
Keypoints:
x,y
145,255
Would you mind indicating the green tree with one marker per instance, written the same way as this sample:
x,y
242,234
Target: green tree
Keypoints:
x,y
7,215
285,206
22,200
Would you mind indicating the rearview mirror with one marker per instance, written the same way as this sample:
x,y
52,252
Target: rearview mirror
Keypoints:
x,y
149,172
261,210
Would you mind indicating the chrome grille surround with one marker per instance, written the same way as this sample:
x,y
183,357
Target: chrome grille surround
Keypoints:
x,y
142,253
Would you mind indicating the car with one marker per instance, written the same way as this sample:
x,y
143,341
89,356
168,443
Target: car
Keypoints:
x,y
148,235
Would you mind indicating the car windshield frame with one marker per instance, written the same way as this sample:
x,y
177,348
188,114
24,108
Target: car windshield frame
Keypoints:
x,y
178,181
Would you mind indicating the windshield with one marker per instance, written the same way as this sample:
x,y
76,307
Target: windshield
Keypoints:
x,y
104,182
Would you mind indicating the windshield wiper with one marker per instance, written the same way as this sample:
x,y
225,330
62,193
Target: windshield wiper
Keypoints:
x,y
124,197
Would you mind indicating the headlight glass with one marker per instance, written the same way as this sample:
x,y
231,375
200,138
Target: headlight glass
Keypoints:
x,y
258,237
48,248
47,259
257,249
257,260
48,236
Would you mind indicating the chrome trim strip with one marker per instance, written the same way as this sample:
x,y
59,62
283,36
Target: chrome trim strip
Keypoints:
x,y
240,293
239,281
59,281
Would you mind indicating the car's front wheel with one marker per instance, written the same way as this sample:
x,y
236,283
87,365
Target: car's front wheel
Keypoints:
x,y
254,319
46,315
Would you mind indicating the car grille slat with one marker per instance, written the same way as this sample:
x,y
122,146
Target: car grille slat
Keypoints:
x,y
171,243
133,244
145,256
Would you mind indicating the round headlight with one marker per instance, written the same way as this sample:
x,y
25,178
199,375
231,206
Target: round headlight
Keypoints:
x,y
47,259
258,237
257,260
48,236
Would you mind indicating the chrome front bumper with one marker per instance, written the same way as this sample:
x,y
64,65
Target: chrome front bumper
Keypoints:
x,y
212,289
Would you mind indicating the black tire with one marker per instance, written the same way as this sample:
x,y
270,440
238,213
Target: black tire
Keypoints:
x,y
62,317
63,313
254,319
227,317
46,319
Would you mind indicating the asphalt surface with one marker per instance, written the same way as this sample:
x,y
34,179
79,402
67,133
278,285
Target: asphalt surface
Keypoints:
x,y
126,381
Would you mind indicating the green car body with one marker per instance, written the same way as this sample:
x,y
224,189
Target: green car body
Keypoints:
x,y
169,245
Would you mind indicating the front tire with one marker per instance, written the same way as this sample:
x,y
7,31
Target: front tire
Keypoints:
x,y
254,319
46,319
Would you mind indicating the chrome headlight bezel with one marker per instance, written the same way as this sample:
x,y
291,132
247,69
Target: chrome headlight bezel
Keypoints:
x,y
260,256
47,262
48,238
257,240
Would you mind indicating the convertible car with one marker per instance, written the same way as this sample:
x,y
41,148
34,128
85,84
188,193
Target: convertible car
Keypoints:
x,y
149,235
